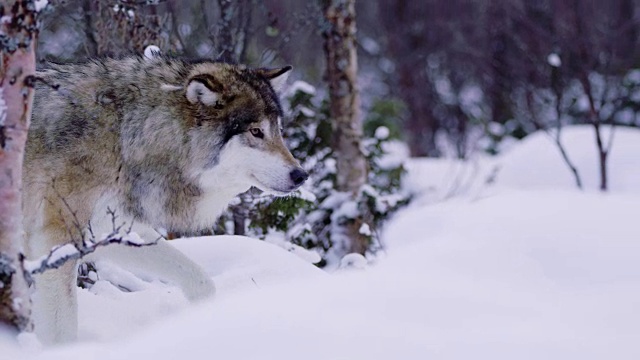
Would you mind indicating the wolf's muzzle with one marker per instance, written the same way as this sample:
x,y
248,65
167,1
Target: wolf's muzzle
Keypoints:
x,y
298,176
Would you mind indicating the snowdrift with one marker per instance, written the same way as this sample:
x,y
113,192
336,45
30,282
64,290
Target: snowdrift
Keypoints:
x,y
533,163
510,262
536,161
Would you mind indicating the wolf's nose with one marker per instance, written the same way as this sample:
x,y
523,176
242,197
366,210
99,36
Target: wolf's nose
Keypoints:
x,y
298,176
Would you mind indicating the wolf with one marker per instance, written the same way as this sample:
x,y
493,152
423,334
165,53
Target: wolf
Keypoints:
x,y
162,141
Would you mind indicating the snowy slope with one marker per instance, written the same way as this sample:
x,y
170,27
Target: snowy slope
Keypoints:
x,y
536,161
533,163
236,263
524,268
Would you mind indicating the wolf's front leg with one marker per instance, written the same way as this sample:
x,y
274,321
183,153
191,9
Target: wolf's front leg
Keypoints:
x,y
161,261
55,305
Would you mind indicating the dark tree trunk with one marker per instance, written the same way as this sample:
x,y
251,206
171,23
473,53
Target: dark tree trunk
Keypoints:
x,y
422,126
628,28
225,33
410,44
499,88
90,9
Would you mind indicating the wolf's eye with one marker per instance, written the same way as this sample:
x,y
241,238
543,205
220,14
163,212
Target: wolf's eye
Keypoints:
x,y
257,132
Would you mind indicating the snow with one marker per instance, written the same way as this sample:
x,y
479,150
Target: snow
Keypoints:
x,y
370,45
495,128
307,195
41,4
632,77
353,261
347,209
536,162
307,112
334,200
497,258
151,51
29,342
57,255
301,86
382,132
278,239
134,238
365,229
554,60
241,262
204,49
185,30
395,154
626,116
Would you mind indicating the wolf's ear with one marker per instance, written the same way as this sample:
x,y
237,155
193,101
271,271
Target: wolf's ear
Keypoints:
x,y
277,77
203,88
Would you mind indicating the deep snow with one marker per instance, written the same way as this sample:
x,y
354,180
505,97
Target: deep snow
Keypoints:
x,y
498,258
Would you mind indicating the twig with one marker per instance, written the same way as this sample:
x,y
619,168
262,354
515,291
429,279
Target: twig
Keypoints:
x,y
75,250
557,139
71,251
32,79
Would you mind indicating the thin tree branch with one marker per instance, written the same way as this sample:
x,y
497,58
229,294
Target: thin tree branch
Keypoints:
x,y
74,250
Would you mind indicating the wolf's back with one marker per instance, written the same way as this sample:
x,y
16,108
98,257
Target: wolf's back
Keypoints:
x,y
76,101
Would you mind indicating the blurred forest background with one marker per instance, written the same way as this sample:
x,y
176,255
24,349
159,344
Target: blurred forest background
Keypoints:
x,y
462,75
452,78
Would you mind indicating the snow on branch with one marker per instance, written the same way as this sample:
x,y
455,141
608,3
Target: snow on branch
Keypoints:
x,y
75,250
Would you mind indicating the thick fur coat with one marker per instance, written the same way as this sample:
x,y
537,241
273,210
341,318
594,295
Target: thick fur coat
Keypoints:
x,y
164,142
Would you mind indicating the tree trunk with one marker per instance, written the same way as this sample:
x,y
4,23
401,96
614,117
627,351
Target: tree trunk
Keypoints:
x,y
418,94
90,10
412,83
628,27
342,69
594,112
594,120
499,86
225,33
17,69
240,213
602,157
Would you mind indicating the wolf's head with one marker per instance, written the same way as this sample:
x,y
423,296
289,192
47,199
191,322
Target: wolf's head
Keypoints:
x,y
237,120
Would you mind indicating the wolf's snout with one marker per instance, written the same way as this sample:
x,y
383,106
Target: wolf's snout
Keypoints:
x,y
298,176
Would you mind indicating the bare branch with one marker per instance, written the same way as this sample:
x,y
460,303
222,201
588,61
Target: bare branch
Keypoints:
x,y
74,250
557,139
71,251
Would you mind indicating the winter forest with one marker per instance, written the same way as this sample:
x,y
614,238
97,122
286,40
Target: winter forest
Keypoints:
x,y
462,179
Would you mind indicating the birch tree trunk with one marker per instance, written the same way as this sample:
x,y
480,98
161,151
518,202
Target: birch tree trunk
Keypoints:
x,y
17,71
342,70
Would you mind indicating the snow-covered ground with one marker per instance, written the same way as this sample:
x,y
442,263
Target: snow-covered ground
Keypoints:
x,y
498,258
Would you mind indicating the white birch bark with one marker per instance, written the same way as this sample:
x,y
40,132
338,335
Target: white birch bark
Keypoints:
x,y
17,71
342,71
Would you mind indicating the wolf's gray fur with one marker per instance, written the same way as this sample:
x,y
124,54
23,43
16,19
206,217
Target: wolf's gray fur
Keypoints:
x,y
165,142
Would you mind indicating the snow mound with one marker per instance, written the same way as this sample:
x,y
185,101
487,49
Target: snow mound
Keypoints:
x,y
536,162
532,163
432,180
521,275
239,262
